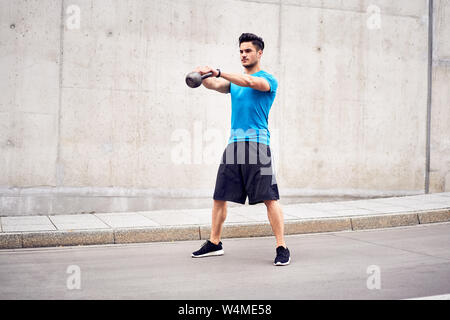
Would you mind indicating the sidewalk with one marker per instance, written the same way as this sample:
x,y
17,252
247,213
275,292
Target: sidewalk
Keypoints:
x,y
242,221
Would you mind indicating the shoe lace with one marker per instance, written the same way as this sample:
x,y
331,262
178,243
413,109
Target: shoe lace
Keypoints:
x,y
204,244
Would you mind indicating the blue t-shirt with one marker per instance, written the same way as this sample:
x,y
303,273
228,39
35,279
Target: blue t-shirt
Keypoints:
x,y
250,111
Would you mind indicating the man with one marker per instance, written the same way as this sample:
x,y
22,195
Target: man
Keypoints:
x,y
246,168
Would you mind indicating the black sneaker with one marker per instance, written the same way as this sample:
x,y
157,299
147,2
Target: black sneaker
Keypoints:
x,y
283,256
209,249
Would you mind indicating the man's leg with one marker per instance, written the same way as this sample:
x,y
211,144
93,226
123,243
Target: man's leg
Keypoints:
x,y
213,247
275,215
219,214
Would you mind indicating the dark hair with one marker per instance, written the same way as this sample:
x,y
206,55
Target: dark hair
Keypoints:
x,y
258,42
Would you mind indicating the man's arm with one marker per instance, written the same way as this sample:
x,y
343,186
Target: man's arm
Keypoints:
x,y
213,83
218,84
245,80
223,85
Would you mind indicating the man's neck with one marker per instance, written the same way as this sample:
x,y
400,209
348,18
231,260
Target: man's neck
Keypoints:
x,y
253,69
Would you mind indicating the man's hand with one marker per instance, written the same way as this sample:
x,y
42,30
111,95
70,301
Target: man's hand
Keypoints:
x,y
206,69
213,83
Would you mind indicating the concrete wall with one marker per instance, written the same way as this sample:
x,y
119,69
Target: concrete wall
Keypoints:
x,y
95,114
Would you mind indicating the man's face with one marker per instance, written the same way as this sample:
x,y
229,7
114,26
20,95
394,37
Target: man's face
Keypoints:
x,y
249,54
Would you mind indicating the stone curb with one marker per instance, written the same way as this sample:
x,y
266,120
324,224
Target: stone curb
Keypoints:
x,y
384,221
442,215
239,230
318,225
10,240
16,240
67,238
156,234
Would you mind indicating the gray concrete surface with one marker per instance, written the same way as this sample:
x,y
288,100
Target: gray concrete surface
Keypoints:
x,y
85,127
411,262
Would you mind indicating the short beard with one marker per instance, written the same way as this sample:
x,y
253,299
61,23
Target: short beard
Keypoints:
x,y
250,65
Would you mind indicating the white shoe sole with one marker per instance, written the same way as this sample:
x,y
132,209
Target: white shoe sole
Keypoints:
x,y
209,254
283,264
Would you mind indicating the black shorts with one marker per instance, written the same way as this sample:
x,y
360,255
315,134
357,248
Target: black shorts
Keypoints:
x,y
246,170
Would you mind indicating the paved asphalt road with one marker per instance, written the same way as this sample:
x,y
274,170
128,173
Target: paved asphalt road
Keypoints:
x,y
396,263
